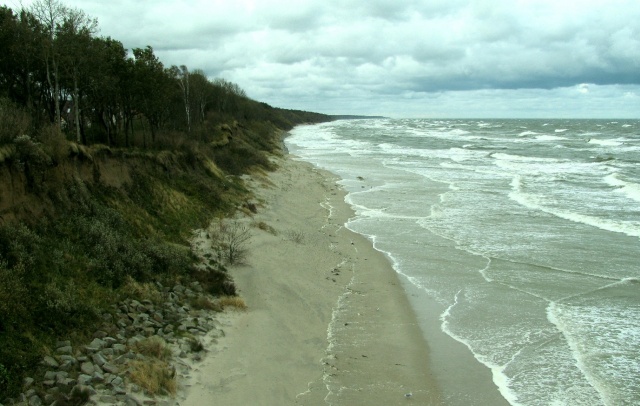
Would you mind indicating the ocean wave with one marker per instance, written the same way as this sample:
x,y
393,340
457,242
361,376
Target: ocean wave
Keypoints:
x,y
629,189
630,228
616,142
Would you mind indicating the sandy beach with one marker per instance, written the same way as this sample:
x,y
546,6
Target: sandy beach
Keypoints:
x,y
328,322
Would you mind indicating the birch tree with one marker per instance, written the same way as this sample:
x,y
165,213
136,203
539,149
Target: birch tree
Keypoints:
x,y
182,76
75,37
51,13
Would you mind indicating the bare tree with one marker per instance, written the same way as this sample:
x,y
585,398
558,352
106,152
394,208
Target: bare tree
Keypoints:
x,y
231,239
51,14
200,91
59,20
75,34
182,76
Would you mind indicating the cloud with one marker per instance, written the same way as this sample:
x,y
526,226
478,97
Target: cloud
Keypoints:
x,y
317,53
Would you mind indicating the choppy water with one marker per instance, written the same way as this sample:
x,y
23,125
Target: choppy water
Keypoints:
x,y
526,231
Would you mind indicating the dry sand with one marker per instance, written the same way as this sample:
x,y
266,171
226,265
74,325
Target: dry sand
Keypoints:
x,y
328,322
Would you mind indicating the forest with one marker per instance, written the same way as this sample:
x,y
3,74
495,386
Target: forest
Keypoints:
x,y
108,160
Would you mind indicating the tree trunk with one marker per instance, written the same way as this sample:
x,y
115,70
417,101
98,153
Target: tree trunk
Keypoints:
x,y
76,107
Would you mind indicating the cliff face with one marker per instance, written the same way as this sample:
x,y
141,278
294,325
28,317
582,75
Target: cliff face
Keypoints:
x,y
80,225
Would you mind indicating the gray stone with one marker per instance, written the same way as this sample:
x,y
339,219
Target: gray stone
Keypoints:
x,y
98,377
109,341
108,399
98,359
131,401
50,362
65,384
68,365
50,376
110,368
63,344
84,379
66,358
119,349
117,381
102,334
35,401
61,375
27,382
65,350
87,368
95,345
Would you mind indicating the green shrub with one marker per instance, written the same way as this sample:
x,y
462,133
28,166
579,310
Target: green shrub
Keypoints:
x,y
5,379
13,121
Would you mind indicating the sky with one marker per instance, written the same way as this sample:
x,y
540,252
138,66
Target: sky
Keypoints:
x,y
399,58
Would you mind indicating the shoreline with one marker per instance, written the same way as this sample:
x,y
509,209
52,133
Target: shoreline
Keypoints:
x,y
328,320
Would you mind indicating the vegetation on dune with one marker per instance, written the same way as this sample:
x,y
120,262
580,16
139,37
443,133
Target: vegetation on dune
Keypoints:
x,y
108,160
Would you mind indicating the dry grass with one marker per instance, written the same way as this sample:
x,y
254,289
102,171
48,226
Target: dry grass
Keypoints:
x,y
153,346
141,291
234,302
265,227
154,376
204,303
296,236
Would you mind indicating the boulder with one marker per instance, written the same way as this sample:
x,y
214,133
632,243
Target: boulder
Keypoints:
x,y
50,362
87,368
98,359
108,367
67,350
95,346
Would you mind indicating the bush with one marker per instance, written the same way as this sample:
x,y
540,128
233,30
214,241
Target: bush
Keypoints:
x,y
230,238
13,121
4,379
14,306
215,282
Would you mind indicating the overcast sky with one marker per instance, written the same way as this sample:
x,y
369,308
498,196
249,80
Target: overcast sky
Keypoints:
x,y
400,58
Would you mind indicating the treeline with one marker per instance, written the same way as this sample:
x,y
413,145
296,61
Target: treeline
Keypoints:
x,y
55,70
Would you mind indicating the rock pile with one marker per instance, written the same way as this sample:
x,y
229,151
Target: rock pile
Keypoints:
x,y
99,372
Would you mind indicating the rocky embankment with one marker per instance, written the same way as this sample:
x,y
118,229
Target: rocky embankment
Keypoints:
x,y
101,372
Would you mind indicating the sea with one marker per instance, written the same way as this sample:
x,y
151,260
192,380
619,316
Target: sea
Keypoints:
x,y
525,233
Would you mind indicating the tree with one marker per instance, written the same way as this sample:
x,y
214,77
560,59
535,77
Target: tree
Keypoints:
x,y
109,87
51,13
201,92
181,75
74,40
151,87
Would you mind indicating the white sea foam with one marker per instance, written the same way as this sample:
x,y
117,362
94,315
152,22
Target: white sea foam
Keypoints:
x,y
630,228
525,133
607,143
631,190
549,138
